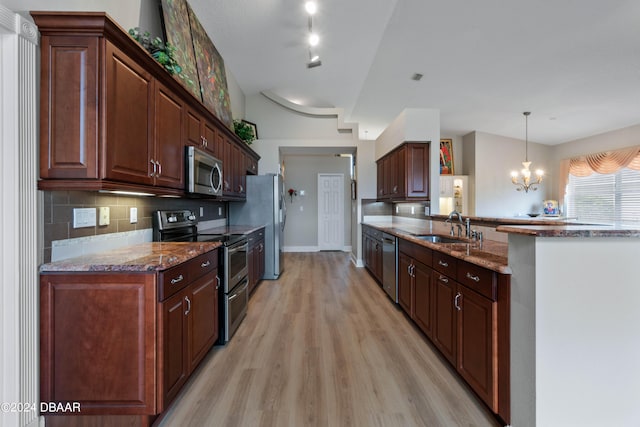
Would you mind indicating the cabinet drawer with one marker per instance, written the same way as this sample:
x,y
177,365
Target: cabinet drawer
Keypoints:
x,y
417,252
172,280
444,263
479,279
203,264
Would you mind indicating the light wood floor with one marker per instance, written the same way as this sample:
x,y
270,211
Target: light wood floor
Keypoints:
x,y
324,346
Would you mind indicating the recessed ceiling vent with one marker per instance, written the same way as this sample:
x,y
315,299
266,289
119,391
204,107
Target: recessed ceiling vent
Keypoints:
x,y
416,77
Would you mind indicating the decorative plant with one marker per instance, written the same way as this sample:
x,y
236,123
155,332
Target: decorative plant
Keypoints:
x,y
244,131
164,53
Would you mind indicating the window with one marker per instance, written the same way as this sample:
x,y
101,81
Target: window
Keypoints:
x,y
605,198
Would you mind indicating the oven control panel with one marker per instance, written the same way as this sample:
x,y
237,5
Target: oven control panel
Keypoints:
x,y
174,219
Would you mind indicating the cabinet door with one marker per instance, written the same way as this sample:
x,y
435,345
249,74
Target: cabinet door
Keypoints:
x,y
399,174
130,96
261,260
98,341
193,129
418,170
173,359
380,179
169,148
445,320
69,108
202,313
209,135
424,294
389,170
477,344
377,259
227,164
405,283
240,159
252,264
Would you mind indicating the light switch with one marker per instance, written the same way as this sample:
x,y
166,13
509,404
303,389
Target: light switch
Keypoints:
x,y
201,211
104,216
133,215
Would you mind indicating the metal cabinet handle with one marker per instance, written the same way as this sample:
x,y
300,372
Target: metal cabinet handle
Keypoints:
x,y
153,173
218,282
180,278
442,263
188,305
205,264
456,301
443,279
472,277
159,169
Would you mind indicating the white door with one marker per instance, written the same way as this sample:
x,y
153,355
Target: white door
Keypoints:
x,y
330,211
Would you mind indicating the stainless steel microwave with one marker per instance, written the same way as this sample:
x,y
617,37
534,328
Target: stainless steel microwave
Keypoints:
x,y
204,173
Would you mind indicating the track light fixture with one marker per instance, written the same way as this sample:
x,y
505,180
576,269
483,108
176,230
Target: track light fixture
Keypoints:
x,y
314,60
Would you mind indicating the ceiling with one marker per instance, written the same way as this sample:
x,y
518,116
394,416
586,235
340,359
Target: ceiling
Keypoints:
x,y
575,64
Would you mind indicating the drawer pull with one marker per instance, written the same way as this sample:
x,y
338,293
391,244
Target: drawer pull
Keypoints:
x,y
456,301
218,282
180,278
205,264
472,277
442,263
443,279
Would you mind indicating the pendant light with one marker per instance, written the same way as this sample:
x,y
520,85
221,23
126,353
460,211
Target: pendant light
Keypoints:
x,y
523,179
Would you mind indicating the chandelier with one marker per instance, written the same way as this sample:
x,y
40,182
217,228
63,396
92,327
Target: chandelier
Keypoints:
x,y
523,179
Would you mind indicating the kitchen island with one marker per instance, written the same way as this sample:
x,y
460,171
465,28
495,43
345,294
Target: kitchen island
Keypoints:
x,y
457,292
121,331
575,325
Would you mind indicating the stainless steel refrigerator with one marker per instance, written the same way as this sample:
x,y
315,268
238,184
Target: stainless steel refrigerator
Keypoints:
x,y
265,205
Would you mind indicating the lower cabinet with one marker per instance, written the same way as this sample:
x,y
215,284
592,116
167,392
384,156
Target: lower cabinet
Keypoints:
x,y
255,258
189,329
125,343
465,310
372,251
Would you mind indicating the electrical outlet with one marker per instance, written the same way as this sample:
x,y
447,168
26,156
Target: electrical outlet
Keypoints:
x,y
426,210
413,210
219,210
84,217
133,215
201,211
104,216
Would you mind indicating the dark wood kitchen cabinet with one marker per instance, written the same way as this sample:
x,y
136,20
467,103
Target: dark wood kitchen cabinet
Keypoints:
x,y
464,309
255,258
124,343
403,173
415,288
372,249
112,118
201,133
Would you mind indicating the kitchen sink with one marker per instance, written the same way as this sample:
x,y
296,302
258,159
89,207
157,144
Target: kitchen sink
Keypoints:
x,y
437,238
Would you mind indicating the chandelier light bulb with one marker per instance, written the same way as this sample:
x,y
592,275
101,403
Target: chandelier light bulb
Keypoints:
x,y
314,39
311,7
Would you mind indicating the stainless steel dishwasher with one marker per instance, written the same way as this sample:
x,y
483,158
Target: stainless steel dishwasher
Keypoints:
x,y
389,263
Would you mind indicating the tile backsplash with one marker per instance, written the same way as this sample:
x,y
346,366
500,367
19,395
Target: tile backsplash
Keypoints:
x,y
59,205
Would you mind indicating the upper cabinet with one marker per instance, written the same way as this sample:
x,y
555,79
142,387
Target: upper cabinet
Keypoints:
x,y
112,118
403,174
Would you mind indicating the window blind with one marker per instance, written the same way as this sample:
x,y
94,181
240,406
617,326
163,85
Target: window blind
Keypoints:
x,y
605,198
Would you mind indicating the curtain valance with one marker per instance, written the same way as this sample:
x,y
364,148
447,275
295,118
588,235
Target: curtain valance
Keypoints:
x,y
605,162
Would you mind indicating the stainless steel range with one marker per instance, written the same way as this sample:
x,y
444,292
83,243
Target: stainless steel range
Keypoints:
x,y
182,226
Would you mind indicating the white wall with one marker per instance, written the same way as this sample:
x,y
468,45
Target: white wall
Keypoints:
x,y
302,172
490,160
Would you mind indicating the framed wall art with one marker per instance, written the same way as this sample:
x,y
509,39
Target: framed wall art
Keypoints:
x,y
446,157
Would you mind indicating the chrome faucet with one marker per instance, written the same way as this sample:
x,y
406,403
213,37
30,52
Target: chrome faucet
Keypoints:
x,y
457,214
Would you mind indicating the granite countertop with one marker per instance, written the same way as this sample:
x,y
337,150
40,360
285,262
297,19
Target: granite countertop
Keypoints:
x,y
570,230
488,254
232,229
143,257
539,220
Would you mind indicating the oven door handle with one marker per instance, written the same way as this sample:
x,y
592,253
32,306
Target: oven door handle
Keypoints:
x,y
239,291
239,248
